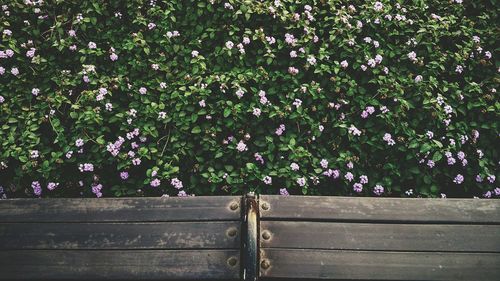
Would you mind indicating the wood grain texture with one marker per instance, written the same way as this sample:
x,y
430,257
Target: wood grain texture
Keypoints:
x,y
158,235
202,208
390,237
380,209
377,265
118,265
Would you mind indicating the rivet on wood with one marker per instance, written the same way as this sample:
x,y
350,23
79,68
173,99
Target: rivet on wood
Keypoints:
x,y
234,206
265,206
232,232
232,261
265,264
266,235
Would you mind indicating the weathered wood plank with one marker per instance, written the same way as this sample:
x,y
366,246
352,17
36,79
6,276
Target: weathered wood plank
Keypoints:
x,y
374,236
376,265
118,265
203,208
380,209
158,235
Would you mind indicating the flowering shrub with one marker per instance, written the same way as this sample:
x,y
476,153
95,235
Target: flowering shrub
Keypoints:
x,y
122,98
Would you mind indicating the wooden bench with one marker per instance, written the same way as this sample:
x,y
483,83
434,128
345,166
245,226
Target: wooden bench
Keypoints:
x,y
250,238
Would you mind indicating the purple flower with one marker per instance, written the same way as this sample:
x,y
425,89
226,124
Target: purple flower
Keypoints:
x,y
182,193
143,91
284,192
92,45
280,130
37,188
458,179
363,179
96,189
429,134
155,183
479,178
259,158
267,180
388,138
79,142
491,178
175,182
378,190
497,191
324,163
86,167
357,187
487,194
294,166
113,57
241,146
349,176
136,161
124,175
52,185
301,181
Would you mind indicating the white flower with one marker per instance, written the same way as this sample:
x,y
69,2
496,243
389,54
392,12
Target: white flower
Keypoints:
x,y
229,45
344,64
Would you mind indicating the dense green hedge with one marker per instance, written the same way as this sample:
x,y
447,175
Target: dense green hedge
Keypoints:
x,y
122,98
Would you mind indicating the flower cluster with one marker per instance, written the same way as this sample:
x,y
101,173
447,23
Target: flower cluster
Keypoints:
x,y
361,98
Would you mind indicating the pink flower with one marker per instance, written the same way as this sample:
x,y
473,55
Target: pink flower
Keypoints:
x,y
294,167
113,57
344,64
143,91
92,45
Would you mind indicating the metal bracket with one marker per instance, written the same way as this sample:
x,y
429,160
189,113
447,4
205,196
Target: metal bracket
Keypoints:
x,y
250,238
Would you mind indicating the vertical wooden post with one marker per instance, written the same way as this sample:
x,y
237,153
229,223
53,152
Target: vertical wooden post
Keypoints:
x,y
250,238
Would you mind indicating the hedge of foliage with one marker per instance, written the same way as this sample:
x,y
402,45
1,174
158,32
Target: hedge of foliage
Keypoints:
x,y
324,97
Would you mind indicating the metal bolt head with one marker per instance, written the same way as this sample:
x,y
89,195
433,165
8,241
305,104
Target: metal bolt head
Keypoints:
x,y
265,206
265,264
232,232
266,235
234,206
232,261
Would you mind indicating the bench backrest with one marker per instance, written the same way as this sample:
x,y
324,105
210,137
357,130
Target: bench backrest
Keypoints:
x,y
234,238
